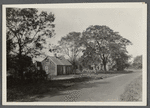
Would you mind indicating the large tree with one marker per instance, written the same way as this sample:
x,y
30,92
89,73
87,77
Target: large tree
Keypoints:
x,y
89,56
27,31
121,61
103,38
70,46
119,57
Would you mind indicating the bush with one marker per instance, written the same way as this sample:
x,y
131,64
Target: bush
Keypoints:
x,y
88,71
32,74
78,71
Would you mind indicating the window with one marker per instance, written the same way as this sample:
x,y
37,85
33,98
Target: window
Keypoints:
x,y
38,64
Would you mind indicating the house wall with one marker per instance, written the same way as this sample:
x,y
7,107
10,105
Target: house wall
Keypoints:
x,y
49,67
69,69
64,70
101,67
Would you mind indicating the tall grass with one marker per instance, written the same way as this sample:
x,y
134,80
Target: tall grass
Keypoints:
x,y
133,91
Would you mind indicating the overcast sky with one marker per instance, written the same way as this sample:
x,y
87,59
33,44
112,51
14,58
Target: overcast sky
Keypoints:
x,y
126,21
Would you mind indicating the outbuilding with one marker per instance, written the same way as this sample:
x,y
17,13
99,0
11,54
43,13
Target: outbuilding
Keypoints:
x,y
54,66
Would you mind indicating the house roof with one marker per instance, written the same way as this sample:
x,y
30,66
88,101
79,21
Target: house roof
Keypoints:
x,y
64,61
38,60
59,60
55,60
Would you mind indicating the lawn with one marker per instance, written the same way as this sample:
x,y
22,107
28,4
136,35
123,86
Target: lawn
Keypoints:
x,y
133,91
28,91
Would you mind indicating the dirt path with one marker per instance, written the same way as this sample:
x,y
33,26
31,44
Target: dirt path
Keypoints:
x,y
108,89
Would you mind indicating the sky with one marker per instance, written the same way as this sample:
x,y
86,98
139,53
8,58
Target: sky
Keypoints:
x,y
126,21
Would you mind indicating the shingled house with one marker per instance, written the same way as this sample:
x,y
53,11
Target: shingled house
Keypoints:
x,y
54,66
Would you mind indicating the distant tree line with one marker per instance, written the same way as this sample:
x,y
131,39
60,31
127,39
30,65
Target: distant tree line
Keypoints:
x,y
137,62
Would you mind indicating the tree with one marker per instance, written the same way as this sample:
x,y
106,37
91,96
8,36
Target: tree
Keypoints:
x,y
121,61
70,46
27,31
119,57
103,38
137,62
89,56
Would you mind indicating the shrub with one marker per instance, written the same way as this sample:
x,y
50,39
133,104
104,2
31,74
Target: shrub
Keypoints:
x,y
32,74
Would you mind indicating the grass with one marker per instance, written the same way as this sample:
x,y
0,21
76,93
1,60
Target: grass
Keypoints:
x,y
28,91
133,91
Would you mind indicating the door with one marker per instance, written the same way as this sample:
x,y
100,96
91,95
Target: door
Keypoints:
x,y
64,70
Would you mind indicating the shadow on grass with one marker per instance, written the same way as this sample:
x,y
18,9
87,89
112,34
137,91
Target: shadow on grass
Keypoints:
x,y
21,92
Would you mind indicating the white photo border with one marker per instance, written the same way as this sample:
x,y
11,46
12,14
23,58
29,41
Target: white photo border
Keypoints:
x,y
78,5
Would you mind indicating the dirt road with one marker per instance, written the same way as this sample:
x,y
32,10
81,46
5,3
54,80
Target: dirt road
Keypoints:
x,y
108,89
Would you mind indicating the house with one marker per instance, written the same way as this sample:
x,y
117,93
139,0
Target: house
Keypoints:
x,y
54,66
100,67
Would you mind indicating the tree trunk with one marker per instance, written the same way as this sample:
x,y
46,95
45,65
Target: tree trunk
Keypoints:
x,y
20,63
21,71
105,67
104,63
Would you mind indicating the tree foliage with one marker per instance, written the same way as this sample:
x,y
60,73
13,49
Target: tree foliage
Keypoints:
x,y
27,31
89,56
70,46
121,61
103,42
137,62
